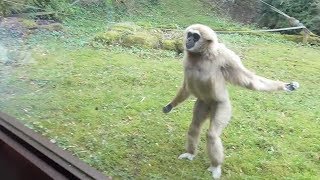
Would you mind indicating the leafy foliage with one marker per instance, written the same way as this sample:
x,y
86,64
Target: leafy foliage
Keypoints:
x,y
7,8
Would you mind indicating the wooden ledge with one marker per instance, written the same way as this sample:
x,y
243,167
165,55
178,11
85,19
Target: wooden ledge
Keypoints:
x,y
25,154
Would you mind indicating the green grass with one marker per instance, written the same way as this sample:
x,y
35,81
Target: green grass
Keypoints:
x,y
104,104
105,107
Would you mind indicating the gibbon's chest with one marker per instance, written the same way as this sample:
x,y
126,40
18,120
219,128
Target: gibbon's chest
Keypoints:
x,y
203,78
201,72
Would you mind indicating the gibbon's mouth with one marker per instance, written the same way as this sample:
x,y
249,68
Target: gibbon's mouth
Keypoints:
x,y
189,45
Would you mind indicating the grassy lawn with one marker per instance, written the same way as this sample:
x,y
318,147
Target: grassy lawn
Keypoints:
x,y
105,106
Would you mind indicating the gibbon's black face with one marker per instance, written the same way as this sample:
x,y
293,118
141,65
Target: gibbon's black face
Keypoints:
x,y
192,38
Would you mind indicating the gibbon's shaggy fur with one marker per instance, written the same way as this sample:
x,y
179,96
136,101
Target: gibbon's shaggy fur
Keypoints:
x,y
208,66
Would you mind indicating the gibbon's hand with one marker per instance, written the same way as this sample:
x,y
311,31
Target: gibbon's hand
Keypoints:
x,y
291,86
167,108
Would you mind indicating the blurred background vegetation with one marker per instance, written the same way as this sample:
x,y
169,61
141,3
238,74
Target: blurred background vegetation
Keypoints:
x,y
307,11
242,11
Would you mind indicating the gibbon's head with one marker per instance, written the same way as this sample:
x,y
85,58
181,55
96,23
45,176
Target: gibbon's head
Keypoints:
x,y
198,38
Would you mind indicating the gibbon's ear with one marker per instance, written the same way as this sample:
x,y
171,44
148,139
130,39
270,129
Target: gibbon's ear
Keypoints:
x,y
211,37
210,42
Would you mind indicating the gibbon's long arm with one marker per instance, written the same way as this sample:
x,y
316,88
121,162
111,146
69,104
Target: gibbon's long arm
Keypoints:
x,y
237,74
181,96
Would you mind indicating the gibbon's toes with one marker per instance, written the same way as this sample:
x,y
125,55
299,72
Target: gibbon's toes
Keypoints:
x,y
216,171
296,85
292,86
167,108
187,156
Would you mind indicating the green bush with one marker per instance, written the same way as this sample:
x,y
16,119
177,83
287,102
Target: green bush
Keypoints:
x,y
7,8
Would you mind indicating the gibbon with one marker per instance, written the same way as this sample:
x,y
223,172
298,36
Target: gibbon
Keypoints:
x,y
208,66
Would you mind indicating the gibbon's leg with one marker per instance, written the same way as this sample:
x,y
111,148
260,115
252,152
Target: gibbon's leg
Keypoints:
x,y
221,114
200,113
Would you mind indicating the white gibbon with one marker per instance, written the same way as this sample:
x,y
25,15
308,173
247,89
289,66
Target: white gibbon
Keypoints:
x,y
208,66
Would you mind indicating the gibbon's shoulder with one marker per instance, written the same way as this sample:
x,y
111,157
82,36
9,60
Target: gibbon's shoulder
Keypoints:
x,y
222,49
226,53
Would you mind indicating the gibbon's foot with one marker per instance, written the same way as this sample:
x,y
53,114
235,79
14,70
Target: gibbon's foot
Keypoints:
x,y
167,108
216,172
291,86
187,156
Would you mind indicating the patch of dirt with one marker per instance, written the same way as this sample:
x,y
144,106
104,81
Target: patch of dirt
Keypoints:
x,y
13,33
243,11
21,27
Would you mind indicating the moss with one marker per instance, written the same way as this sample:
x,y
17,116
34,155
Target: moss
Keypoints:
x,y
53,27
109,37
179,46
173,45
125,27
141,39
31,24
130,35
169,44
299,39
28,23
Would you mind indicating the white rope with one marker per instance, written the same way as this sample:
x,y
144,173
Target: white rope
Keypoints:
x,y
281,29
265,30
275,9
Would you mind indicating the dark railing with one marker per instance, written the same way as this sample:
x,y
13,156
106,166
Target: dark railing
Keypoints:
x,y
25,155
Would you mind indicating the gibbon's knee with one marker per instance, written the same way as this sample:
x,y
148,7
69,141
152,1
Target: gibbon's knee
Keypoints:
x,y
192,132
212,137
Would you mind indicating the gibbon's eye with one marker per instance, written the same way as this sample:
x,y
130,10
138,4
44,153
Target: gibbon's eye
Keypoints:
x,y
189,34
196,37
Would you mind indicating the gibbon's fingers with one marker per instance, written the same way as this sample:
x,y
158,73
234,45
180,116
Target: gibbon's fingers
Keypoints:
x,y
291,86
167,108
